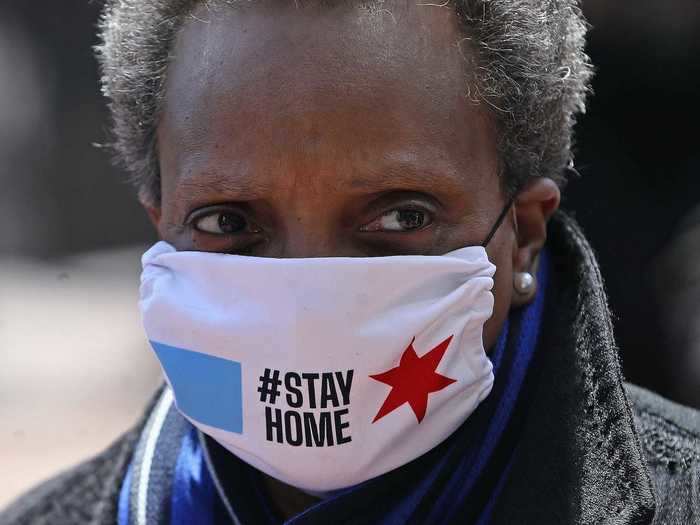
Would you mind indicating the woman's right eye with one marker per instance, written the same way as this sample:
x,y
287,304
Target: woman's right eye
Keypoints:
x,y
221,223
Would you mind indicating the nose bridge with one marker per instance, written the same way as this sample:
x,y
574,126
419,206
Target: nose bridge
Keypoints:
x,y
309,236
309,215
308,222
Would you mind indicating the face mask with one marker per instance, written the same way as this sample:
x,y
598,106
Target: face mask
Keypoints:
x,y
321,372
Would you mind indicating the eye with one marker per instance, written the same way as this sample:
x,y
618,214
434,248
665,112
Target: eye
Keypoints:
x,y
399,220
221,222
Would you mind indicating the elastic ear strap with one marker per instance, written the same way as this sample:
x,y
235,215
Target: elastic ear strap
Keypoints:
x,y
502,216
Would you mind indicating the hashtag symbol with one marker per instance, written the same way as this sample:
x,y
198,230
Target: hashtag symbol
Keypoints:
x,y
269,386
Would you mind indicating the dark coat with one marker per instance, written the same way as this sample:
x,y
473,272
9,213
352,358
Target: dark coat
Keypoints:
x,y
594,450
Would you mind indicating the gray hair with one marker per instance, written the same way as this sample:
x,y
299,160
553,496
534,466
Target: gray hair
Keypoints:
x,y
531,69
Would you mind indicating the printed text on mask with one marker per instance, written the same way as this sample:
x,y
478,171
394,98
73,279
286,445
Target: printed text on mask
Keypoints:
x,y
314,417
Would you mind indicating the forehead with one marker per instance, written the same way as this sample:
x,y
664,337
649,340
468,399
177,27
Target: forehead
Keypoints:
x,y
279,48
340,84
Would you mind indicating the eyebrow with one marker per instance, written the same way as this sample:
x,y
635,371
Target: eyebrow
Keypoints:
x,y
243,187
385,176
406,177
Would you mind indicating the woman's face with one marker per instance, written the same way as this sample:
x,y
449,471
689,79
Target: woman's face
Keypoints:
x,y
331,131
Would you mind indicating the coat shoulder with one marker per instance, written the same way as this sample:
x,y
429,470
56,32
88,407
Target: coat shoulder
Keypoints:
x,y
670,433
86,493
670,437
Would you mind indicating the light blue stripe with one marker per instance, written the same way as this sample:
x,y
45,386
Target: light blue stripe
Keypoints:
x,y
124,493
207,388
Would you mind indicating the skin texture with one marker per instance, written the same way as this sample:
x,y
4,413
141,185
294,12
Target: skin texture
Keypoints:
x,y
309,127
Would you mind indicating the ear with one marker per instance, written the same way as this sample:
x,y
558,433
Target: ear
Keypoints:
x,y
533,207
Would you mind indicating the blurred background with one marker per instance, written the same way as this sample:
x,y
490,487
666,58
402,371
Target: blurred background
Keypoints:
x,y
74,371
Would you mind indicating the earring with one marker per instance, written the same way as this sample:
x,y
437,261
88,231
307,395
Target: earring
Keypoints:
x,y
523,282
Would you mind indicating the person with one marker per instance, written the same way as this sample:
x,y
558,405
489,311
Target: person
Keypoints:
x,y
365,301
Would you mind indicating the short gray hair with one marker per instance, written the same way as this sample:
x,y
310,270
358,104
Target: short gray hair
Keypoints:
x,y
531,69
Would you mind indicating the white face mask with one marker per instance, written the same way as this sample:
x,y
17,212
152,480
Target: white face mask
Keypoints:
x,y
324,372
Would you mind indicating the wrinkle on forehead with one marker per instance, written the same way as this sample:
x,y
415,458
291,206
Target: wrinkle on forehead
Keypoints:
x,y
396,169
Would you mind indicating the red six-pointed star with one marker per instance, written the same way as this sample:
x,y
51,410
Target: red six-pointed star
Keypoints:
x,y
413,380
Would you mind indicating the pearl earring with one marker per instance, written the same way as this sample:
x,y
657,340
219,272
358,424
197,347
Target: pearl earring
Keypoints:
x,y
523,282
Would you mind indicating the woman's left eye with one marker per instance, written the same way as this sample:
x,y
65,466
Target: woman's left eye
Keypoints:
x,y
399,220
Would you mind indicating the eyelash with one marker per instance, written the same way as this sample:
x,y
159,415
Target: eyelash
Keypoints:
x,y
250,235
220,214
194,220
428,218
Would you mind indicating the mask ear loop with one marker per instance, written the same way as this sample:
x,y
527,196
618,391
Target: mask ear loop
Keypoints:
x,y
502,216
